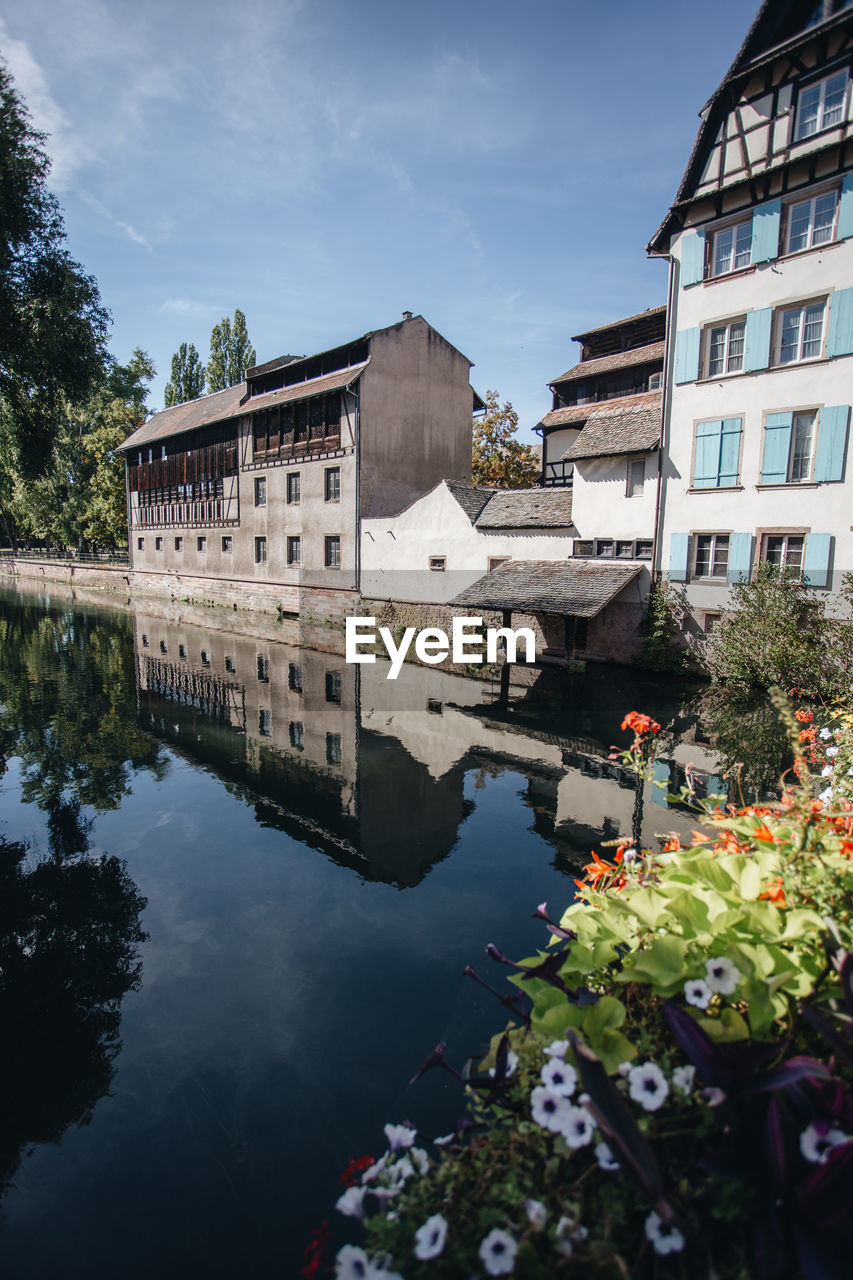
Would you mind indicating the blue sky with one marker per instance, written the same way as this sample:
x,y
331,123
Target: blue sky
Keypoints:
x,y
326,165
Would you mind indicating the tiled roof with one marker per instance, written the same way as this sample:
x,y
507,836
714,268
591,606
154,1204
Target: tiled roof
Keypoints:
x,y
614,431
527,509
573,587
618,360
617,324
575,415
230,404
471,497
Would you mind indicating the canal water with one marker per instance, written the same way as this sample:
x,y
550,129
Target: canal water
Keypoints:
x,y
241,882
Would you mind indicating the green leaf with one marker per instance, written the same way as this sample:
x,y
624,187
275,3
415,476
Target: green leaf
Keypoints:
x,y
608,1012
663,963
726,1029
750,881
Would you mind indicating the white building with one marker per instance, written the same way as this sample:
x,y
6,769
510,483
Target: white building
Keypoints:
x,y
760,317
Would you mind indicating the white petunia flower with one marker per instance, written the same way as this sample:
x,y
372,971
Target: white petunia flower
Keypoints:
x,y
827,771
713,1096
563,1233
605,1158
430,1238
698,993
581,1233
560,1077
557,1049
665,1237
722,975
373,1171
399,1136
826,796
832,751
647,1085
683,1077
420,1159
825,734
548,1108
625,1068
351,1203
578,1128
353,1263
444,1141
511,1064
816,1146
497,1252
537,1214
401,1171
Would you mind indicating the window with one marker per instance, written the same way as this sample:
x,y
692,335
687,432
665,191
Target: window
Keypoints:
x,y
785,550
644,549
333,748
263,669
294,550
434,707
625,550
294,678
182,651
712,555
333,686
144,640
732,248
655,381
802,443
494,561
158,544
260,550
163,646
205,658
821,106
229,665
604,547
201,543
800,333
724,349
438,563
295,733
582,548
709,623
332,484
333,551
227,544
293,488
179,544
264,722
140,544
811,222
260,491
716,459
636,478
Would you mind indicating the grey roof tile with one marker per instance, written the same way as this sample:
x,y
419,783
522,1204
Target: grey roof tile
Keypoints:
x,y
471,497
575,415
632,430
527,509
618,360
572,587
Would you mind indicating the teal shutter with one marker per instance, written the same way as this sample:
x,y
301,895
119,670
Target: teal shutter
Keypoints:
x,y
692,257
845,210
765,231
729,452
777,448
687,355
831,442
679,548
840,339
816,560
740,557
706,468
756,353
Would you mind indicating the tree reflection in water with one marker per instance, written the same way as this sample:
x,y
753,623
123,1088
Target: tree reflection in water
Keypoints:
x,y
744,728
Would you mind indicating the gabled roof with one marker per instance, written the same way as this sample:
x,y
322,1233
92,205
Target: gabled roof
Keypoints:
x,y
527,509
619,430
572,587
471,497
575,415
617,324
618,360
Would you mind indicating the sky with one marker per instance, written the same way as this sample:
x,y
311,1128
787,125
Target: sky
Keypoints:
x,y
326,165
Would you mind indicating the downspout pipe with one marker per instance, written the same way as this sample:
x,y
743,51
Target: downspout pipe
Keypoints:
x,y
665,410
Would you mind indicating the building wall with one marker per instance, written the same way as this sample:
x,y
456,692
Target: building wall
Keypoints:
x,y
555,443
600,505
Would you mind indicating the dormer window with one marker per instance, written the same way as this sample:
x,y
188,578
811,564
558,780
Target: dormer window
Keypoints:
x,y
811,222
821,106
732,248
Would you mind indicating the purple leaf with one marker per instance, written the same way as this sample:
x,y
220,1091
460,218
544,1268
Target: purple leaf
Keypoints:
x,y
781,1140
788,1073
699,1047
833,1037
827,1195
435,1059
846,976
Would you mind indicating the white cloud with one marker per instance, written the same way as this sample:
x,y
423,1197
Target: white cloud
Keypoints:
x,y
132,234
192,307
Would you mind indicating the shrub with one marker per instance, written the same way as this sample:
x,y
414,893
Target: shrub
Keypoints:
x,y
662,645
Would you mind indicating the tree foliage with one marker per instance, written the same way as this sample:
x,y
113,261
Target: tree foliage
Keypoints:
x,y
497,458
53,327
231,353
661,647
188,375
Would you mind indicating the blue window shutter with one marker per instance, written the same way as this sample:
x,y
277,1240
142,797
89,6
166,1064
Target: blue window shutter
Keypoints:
x,y
765,231
679,547
730,452
692,257
845,210
816,559
777,448
687,355
740,557
840,339
831,442
706,468
756,354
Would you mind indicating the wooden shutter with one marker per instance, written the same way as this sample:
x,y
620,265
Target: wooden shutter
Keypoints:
x,y
839,341
740,557
765,231
729,452
706,467
844,227
831,442
777,448
756,347
687,355
679,549
692,257
816,559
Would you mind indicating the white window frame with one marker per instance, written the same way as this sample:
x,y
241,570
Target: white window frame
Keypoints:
x,y
811,204
725,328
294,549
332,484
734,228
438,564
260,491
711,576
293,489
632,489
332,551
779,319
786,538
804,479
820,123
260,550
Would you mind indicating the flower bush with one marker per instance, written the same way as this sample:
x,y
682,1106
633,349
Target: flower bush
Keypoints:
x,y
672,1094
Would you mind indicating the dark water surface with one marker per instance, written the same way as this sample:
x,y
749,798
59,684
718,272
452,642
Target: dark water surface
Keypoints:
x,y
321,851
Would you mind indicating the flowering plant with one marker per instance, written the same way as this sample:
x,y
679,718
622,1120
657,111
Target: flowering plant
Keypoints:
x,y
672,1096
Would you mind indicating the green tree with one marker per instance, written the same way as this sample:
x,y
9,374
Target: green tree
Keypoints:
x,y
53,327
231,353
187,380
497,458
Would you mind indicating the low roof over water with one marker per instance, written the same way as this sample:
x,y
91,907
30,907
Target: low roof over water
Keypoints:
x,y
574,588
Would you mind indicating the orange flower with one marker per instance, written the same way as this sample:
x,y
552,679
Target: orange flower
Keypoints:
x,y
763,833
640,723
775,892
804,716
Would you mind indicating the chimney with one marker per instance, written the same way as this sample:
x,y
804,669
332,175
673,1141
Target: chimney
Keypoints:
x,y
407,315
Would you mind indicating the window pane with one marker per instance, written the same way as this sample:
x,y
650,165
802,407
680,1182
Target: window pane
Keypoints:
x,y
798,235
833,99
716,352
723,251
809,109
789,349
735,360
813,330
743,245
801,446
721,555
703,555
824,217
794,553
